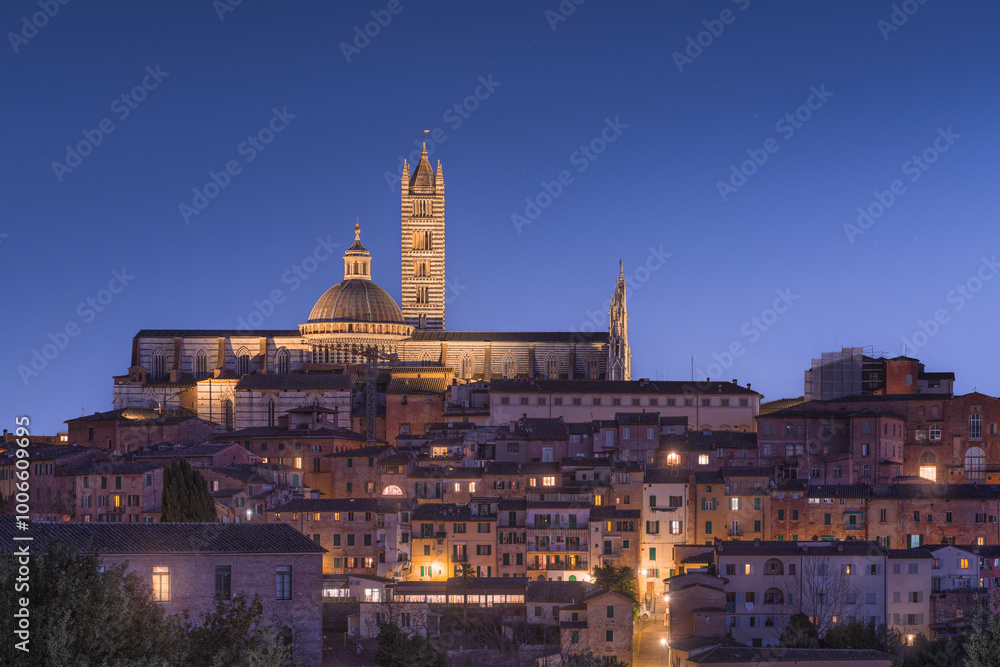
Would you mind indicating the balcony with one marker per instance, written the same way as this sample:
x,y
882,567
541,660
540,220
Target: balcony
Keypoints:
x,y
559,567
558,548
564,530
460,558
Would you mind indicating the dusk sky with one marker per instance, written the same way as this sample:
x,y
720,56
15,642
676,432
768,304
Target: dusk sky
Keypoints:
x,y
745,158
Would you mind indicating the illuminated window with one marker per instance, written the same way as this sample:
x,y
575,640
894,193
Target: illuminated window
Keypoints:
x,y
963,564
532,481
458,487
928,467
392,490
703,459
472,487
672,458
975,463
548,481
161,584
734,504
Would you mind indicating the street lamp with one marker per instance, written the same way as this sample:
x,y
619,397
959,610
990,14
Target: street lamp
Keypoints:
x,y
663,648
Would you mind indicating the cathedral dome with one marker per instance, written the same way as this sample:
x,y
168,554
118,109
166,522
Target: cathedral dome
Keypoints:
x,y
356,300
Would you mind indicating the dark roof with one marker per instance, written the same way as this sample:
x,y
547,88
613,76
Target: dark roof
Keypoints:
x,y
705,557
435,472
772,654
217,333
614,386
778,548
243,473
628,466
182,451
638,418
937,491
433,385
115,468
138,538
559,504
42,452
605,512
673,420
327,381
909,553
502,468
441,512
509,336
555,591
376,505
512,504
935,375
373,450
279,432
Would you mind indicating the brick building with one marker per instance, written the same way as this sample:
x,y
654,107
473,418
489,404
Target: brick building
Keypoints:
x,y
189,566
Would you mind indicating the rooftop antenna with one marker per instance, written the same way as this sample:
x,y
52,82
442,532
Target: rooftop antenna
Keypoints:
x,y
692,365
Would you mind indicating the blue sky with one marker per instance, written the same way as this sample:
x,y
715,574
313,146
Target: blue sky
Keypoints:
x,y
866,91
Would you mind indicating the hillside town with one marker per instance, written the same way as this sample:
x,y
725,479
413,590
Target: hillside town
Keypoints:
x,y
371,467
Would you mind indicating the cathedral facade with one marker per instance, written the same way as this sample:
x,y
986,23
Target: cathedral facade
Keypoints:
x,y
241,379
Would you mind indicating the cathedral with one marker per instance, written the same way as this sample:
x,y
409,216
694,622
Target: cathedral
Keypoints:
x,y
241,379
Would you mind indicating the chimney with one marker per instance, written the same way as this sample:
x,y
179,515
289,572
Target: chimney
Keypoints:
x,y
748,385
734,381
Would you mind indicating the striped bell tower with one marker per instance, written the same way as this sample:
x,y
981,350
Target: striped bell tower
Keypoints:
x,y
423,285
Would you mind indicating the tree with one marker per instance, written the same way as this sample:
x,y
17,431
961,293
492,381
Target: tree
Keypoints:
x,y
862,635
465,572
81,615
212,641
799,632
185,495
982,645
394,648
84,614
827,592
620,580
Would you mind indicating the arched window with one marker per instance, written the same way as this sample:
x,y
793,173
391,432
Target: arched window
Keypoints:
x,y
270,412
773,566
551,367
774,596
425,359
281,362
392,490
592,368
467,367
509,367
934,432
935,412
975,464
201,365
159,364
975,427
242,361
928,466
227,410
